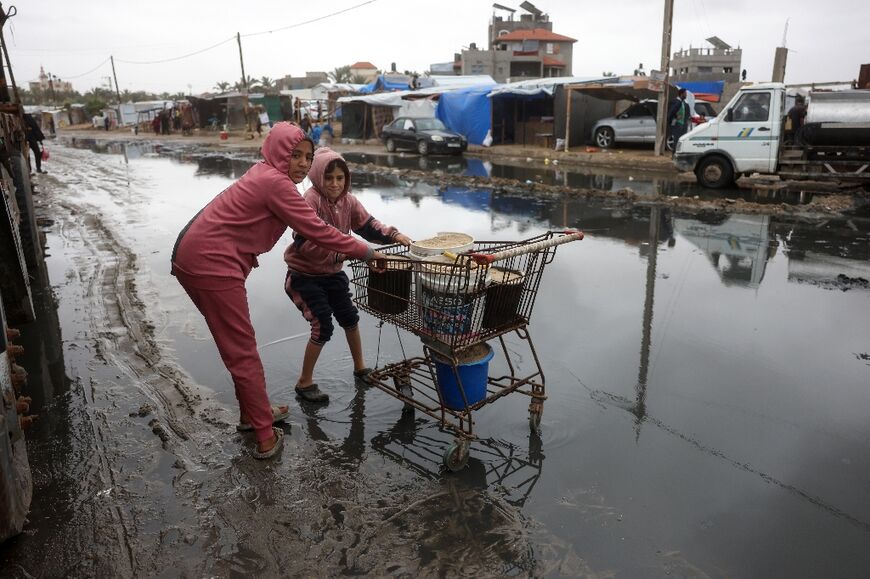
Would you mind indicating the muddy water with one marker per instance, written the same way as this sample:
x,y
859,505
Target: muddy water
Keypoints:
x,y
707,386
642,182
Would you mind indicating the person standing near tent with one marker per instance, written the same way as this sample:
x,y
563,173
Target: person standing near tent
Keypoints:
x,y
679,117
216,251
34,137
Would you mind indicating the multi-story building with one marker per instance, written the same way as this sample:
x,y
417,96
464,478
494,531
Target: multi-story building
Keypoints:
x,y
519,48
49,82
721,62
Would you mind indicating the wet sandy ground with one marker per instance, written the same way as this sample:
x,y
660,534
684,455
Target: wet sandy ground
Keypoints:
x,y
692,430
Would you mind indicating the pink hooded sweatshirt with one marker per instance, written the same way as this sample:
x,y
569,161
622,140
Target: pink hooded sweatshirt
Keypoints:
x,y
346,214
221,243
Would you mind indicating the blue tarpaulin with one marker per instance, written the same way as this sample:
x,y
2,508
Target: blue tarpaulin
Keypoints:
x,y
383,84
703,86
467,111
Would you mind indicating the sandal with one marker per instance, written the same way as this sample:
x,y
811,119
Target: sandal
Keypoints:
x,y
312,394
277,416
363,375
279,442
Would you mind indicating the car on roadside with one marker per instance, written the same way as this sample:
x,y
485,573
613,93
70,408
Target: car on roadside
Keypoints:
x,y
637,124
422,135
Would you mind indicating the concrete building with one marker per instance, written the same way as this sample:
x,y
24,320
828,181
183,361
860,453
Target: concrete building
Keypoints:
x,y
48,82
310,80
721,62
519,48
500,25
365,70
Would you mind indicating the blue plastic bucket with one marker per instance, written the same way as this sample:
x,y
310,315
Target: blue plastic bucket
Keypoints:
x,y
473,376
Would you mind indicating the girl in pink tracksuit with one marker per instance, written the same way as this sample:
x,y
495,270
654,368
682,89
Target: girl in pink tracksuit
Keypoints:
x,y
216,251
315,280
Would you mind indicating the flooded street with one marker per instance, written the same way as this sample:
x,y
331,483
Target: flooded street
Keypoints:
x,y
707,380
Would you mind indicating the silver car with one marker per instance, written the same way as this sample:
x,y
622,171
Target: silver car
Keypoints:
x,y
637,124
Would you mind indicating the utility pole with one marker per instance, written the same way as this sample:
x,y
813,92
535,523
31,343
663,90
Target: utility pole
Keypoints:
x,y
662,121
117,90
4,88
242,61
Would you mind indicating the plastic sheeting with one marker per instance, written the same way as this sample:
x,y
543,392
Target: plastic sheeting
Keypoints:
x,y
712,87
467,111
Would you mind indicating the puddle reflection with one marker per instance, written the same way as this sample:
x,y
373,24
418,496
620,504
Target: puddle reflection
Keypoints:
x,y
706,394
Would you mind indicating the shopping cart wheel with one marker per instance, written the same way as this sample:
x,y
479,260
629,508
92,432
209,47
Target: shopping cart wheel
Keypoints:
x,y
456,456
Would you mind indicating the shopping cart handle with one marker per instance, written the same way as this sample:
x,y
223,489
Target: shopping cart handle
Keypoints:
x,y
482,258
487,258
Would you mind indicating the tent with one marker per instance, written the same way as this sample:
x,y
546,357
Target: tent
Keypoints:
x,y
387,83
525,113
467,111
709,90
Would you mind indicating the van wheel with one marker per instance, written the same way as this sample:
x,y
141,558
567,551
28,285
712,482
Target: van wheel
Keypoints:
x,y
715,172
391,146
604,137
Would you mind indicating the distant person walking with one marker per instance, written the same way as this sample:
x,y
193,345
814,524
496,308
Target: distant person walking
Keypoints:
x,y
106,122
34,139
679,117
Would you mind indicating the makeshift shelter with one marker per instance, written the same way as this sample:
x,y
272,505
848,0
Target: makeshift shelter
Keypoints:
x,y
524,112
630,89
709,90
467,111
271,103
384,83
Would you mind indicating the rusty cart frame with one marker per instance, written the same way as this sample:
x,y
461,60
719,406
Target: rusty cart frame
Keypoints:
x,y
456,304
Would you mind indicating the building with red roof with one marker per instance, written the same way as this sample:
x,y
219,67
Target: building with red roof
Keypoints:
x,y
364,69
520,48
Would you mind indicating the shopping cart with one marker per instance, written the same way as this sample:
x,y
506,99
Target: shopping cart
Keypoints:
x,y
457,304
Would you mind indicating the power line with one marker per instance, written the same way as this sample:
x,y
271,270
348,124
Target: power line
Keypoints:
x,y
84,73
224,41
319,18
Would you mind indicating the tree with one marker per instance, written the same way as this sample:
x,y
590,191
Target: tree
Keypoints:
x,y
266,83
222,86
252,82
340,74
357,79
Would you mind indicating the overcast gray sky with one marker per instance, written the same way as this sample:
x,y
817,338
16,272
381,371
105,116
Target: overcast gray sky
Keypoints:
x,y
829,40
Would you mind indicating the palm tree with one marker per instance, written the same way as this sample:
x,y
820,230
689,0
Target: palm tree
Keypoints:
x,y
222,86
357,79
340,74
266,83
252,82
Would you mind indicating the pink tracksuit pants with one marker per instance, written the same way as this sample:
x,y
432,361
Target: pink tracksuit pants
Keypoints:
x,y
229,320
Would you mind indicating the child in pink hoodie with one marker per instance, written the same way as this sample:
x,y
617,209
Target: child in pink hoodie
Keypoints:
x,y
315,280
216,251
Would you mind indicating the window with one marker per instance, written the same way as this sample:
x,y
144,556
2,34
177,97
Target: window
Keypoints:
x,y
409,125
727,70
636,111
753,107
549,48
477,69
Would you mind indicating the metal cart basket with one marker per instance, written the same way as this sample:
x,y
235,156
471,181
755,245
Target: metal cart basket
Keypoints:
x,y
457,304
